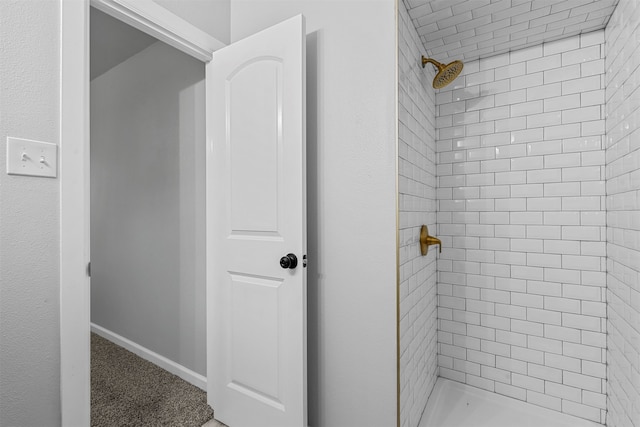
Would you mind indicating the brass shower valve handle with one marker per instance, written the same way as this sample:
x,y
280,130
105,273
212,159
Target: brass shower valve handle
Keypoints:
x,y
426,240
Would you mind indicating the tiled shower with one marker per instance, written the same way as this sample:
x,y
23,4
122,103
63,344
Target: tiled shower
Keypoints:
x,y
528,168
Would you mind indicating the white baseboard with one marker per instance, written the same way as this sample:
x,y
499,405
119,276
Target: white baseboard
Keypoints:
x,y
186,374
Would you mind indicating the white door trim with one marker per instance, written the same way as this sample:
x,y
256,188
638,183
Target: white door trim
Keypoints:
x,y
74,213
151,18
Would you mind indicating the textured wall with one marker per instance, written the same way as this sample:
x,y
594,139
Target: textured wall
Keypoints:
x,y
29,218
521,288
211,16
623,216
417,204
148,203
351,202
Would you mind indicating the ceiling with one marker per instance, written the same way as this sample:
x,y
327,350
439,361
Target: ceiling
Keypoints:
x,y
113,42
472,29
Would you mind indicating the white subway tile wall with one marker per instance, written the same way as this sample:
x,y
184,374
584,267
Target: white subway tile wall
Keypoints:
x,y
623,216
417,206
472,29
521,213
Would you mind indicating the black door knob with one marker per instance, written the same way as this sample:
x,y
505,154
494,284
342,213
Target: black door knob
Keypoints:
x,y
289,261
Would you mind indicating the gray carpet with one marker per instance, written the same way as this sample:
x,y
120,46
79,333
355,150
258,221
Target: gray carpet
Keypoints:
x,y
126,390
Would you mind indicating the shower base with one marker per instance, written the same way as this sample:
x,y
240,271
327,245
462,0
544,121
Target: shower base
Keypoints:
x,y
453,404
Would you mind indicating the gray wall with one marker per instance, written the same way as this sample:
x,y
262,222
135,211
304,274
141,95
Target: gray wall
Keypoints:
x,y
113,42
29,219
147,203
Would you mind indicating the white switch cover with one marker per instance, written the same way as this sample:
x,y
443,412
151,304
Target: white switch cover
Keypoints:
x,y
32,158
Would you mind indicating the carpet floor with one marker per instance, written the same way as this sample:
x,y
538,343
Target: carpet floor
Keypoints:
x,y
127,390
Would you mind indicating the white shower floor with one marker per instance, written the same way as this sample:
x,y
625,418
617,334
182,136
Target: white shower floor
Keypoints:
x,y
453,404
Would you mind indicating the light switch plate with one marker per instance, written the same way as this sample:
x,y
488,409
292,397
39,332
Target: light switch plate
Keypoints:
x,y
31,158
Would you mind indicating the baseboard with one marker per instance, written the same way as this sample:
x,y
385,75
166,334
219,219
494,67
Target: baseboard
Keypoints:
x,y
186,374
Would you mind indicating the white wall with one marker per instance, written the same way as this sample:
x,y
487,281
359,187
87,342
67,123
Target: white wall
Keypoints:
x,y
147,203
521,213
417,188
211,16
623,215
351,137
29,218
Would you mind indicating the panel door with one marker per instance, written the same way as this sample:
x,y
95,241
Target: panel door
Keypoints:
x,y
256,200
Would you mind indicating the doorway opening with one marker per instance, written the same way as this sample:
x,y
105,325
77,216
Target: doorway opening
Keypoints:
x,y
147,115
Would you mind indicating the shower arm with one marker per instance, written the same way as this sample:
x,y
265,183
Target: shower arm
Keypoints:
x,y
435,63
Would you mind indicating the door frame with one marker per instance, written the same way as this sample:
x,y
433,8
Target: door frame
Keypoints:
x,y
74,173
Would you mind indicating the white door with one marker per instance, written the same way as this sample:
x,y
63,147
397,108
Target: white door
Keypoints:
x,y
256,215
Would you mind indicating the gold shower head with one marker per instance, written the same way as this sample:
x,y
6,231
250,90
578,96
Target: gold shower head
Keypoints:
x,y
446,73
